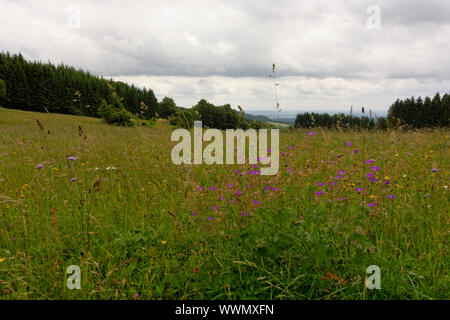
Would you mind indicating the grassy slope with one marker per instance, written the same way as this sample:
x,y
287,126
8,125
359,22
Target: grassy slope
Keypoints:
x,y
131,229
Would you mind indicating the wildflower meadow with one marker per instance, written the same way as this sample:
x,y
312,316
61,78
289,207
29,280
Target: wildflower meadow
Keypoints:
x,y
108,199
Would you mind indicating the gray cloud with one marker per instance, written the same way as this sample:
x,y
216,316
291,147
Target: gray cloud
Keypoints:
x,y
324,42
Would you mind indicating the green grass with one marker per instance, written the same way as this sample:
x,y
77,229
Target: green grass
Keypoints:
x,y
279,124
131,229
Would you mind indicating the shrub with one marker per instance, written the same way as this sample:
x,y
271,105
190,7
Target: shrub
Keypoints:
x,y
114,115
183,118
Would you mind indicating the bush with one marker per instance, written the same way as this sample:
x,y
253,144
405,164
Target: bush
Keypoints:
x,y
183,118
166,108
114,115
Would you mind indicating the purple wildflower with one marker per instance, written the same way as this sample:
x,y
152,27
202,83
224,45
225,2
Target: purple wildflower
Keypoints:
x,y
371,204
311,133
341,172
374,168
390,196
387,182
73,179
239,193
274,189
212,188
370,175
348,143
39,166
369,161
320,184
355,151
71,158
319,193
359,189
244,214
434,170
209,218
214,208
256,202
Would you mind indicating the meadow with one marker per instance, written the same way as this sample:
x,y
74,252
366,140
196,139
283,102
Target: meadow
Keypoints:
x,y
76,191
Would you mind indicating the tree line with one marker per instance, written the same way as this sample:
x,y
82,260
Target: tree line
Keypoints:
x,y
43,87
420,113
219,117
36,86
339,120
413,113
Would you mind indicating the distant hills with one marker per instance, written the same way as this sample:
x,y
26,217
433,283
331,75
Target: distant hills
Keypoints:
x,y
266,119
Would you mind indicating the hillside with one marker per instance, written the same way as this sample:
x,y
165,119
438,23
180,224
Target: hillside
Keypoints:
x,y
76,191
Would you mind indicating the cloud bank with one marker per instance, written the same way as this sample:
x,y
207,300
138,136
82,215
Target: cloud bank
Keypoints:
x,y
327,56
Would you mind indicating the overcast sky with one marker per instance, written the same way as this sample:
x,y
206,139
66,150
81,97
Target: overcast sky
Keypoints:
x,y
329,54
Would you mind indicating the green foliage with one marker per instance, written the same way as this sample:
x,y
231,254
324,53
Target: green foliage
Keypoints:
x,y
223,117
325,120
184,118
2,88
420,113
115,114
166,108
256,124
36,86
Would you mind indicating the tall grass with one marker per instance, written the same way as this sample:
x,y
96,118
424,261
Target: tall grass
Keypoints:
x,y
137,224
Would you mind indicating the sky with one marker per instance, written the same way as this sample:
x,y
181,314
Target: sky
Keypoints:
x,y
329,55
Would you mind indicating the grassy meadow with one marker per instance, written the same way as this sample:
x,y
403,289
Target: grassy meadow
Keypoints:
x,y
76,191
